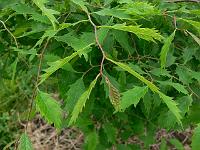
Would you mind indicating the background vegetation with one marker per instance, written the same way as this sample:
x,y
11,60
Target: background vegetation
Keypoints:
x,y
122,68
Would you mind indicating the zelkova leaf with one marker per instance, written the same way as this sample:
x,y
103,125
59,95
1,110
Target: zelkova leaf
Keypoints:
x,y
60,63
49,108
196,138
167,100
177,86
172,105
143,33
195,37
81,3
25,143
47,12
165,49
195,24
91,141
81,102
132,96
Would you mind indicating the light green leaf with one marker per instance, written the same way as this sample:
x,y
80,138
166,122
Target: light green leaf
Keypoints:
x,y
114,12
73,95
132,96
177,86
47,12
178,145
25,143
196,138
168,100
81,102
59,64
143,33
23,9
172,105
165,49
49,108
91,141
134,73
195,37
195,24
81,3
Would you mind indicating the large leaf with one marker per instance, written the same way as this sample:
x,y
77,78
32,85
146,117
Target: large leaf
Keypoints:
x,y
59,64
47,12
132,96
25,143
165,49
49,108
73,95
81,102
196,138
143,33
167,100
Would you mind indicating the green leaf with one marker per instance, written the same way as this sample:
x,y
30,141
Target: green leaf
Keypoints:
x,y
168,100
73,95
195,24
81,102
47,12
178,145
25,143
172,105
177,86
134,73
23,9
59,64
188,53
165,49
49,108
143,33
111,132
196,138
195,37
81,3
122,38
132,96
91,141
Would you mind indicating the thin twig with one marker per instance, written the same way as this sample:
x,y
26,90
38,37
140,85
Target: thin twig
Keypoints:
x,y
37,81
10,33
98,43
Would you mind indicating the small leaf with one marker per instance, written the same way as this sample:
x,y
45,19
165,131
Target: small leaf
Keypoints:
x,y
143,33
132,96
195,37
178,145
177,86
172,105
165,49
59,64
25,143
73,95
49,108
111,132
81,102
196,138
91,141
81,3
47,12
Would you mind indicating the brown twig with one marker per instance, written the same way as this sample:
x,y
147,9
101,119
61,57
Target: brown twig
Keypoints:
x,y
98,43
37,81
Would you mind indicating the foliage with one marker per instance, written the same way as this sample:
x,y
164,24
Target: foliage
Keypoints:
x,y
121,68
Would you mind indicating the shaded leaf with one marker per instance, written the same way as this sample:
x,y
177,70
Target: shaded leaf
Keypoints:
x,y
81,102
91,141
165,49
49,108
196,138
